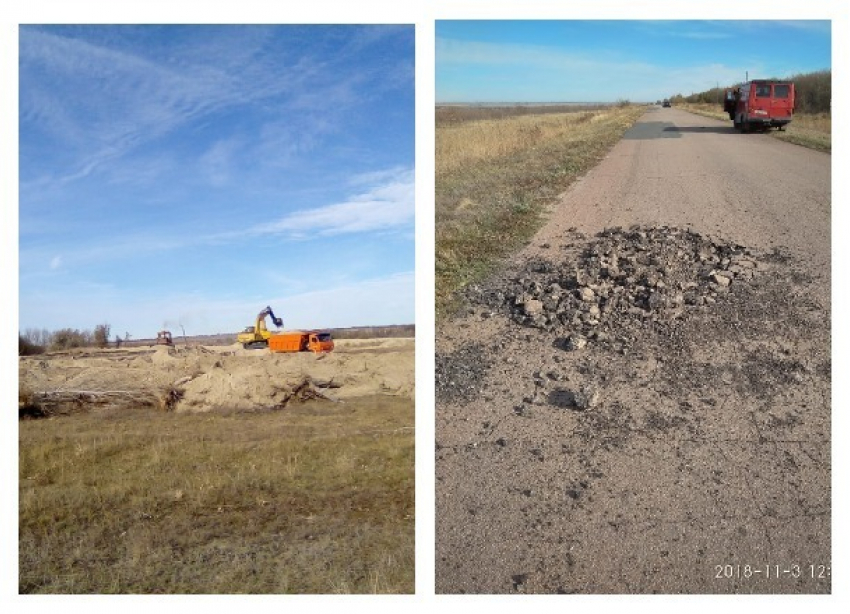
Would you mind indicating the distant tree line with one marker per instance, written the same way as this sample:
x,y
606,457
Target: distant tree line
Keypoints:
x,y
374,332
814,92
37,341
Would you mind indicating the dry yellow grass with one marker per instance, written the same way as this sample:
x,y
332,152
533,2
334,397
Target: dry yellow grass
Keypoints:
x,y
820,122
813,130
318,498
496,177
470,142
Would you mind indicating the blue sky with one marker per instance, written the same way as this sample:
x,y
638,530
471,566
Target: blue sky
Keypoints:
x,y
605,61
191,175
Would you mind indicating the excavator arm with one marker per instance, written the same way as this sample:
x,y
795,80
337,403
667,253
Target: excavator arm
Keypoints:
x,y
268,312
258,336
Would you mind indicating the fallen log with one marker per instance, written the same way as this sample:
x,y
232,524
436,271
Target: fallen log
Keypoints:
x,y
46,403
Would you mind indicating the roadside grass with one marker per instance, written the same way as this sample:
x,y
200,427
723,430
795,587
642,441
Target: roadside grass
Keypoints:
x,y
317,498
812,130
454,114
495,179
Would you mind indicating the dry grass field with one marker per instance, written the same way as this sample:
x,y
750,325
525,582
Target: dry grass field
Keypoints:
x,y
497,172
308,497
813,130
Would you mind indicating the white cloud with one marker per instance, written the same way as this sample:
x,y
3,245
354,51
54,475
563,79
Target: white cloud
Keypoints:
x,y
375,177
811,26
573,77
387,205
216,162
369,302
123,100
450,51
701,35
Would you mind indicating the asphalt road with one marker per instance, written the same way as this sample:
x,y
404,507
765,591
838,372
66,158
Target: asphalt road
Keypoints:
x,y
681,169
708,475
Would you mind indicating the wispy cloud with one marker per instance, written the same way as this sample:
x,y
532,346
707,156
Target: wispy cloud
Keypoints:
x,y
814,26
124,100
701,34
451,51
333,305
166,160
378,177
216,163
573,76
387,205
718,29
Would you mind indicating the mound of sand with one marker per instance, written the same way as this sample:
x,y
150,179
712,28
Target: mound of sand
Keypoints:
x,y
200,378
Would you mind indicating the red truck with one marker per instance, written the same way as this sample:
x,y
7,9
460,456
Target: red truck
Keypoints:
x,y
760,104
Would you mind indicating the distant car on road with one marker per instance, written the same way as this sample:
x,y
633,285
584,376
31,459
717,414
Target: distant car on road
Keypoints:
x,y
666,103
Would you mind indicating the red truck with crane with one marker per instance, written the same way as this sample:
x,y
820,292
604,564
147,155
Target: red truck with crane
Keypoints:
x,y
760,104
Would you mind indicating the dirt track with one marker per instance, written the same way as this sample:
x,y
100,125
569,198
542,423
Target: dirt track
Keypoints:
x,y
701,462
199,378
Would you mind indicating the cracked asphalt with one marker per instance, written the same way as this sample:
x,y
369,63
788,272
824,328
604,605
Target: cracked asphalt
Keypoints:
x,y
704,466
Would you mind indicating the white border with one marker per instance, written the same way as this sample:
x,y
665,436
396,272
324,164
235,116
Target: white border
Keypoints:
x,y
423,13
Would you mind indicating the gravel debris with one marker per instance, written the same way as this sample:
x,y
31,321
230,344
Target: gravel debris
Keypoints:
x,y
645,273
458,375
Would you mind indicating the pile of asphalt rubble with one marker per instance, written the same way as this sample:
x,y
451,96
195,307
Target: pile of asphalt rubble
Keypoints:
x,y
605,292
653,274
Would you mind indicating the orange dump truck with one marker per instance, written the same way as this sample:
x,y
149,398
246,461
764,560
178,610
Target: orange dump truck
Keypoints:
x,y
302,341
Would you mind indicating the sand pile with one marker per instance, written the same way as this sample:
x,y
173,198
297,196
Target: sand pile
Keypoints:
x,y
198,378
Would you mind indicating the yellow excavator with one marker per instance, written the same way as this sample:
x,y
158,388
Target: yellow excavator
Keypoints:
x,y
257,336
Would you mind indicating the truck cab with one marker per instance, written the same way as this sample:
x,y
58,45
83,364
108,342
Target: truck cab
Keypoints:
x,y
320,341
